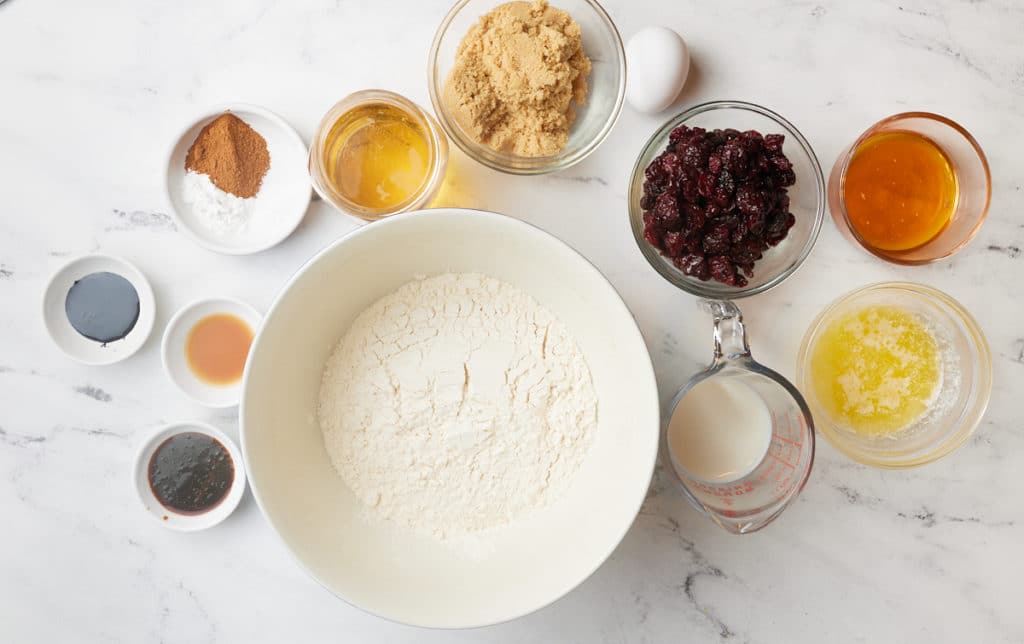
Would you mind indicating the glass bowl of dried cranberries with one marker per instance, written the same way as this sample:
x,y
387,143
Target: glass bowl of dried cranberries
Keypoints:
x,y
726,199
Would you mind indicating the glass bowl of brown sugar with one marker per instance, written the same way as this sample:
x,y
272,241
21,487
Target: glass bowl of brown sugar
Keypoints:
x,y
496,130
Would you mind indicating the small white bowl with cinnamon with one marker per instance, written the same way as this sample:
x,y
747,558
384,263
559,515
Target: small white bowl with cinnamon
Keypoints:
x,y
236,179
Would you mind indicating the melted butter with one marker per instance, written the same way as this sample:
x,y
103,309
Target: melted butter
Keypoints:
x,y
877,370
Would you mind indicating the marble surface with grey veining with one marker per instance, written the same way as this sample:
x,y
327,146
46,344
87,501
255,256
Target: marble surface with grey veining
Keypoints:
x,y
91,96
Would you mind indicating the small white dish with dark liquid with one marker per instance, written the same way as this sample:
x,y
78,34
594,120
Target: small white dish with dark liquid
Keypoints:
x,y
189,476
98,309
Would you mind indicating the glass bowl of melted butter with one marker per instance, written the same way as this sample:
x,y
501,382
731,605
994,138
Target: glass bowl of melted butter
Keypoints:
x,y
376,154
896,374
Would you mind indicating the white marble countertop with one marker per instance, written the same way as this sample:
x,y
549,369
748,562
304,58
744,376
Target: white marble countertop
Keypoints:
x,y
92,93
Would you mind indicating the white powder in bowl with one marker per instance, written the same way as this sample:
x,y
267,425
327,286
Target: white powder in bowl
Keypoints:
x,y
219,212
456,404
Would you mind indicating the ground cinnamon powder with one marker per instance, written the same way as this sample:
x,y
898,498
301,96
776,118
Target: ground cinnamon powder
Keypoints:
x,y
517,73
232,154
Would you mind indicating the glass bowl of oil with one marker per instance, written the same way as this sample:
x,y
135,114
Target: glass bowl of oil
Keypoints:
x,y
376,154
896,374
594,118
913,189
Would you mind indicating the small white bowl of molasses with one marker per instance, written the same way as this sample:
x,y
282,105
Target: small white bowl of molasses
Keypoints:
x,y
189,476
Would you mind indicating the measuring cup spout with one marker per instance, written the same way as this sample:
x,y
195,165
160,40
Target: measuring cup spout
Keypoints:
x,y
730,334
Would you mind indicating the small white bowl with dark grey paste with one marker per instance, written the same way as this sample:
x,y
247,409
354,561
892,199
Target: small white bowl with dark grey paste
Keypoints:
x,y
98,309
189,476
224,222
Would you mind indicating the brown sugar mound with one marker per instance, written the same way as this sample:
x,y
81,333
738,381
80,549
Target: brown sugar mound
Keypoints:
x,y
232,154
517,74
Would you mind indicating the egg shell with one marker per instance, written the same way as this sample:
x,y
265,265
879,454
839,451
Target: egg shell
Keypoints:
x,y
658,62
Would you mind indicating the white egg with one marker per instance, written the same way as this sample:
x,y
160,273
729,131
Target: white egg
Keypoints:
x,y
657,63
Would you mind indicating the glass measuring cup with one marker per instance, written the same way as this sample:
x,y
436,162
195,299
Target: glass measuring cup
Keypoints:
x,y
749,502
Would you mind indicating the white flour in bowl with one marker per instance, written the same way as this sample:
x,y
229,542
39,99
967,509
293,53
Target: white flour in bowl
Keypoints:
x,y
456,404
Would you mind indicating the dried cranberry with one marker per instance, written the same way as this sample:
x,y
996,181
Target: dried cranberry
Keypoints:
x,y
753,141
666,205
695,216
734,158
730,220
653,175
678,133
739,232
774,239
747,251
689,189
725,186
693,265
754,223
694,153
715,163
716,240
722,269
782,202
713,202
788,178
674,243
774,236
706,183
750,200
694,243
776,222
781,162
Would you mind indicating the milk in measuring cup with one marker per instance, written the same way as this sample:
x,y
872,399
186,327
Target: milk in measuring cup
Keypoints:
x,y
720,431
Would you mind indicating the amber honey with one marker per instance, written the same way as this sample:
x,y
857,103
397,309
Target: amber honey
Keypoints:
x,y
377,156
900,190
217,347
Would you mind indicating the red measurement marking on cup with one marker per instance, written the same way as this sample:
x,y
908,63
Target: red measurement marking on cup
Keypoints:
x,y
795,444
783,461
726,492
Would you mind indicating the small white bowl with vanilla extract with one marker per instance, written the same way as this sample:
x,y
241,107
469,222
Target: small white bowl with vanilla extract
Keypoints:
x,y
205,348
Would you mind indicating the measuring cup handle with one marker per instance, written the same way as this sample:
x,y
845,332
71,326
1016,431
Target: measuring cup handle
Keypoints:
x,y
730,335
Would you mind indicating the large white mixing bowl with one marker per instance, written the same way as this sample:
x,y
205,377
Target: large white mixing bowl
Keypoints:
x,y
510,571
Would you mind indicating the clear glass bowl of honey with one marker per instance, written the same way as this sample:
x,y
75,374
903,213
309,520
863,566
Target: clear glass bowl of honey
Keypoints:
x,y
376,153
896,374
914,188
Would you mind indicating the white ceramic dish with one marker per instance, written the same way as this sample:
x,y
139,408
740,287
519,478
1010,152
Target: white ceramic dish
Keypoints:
x,y
169,518
513,570
78,346
172,350
283,198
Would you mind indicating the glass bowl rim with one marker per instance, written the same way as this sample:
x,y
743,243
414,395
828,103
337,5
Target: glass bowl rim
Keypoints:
x,y
656,260
975,409
847,156
504,162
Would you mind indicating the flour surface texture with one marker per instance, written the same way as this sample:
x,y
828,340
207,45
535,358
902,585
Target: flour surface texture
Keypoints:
x,y
456,404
